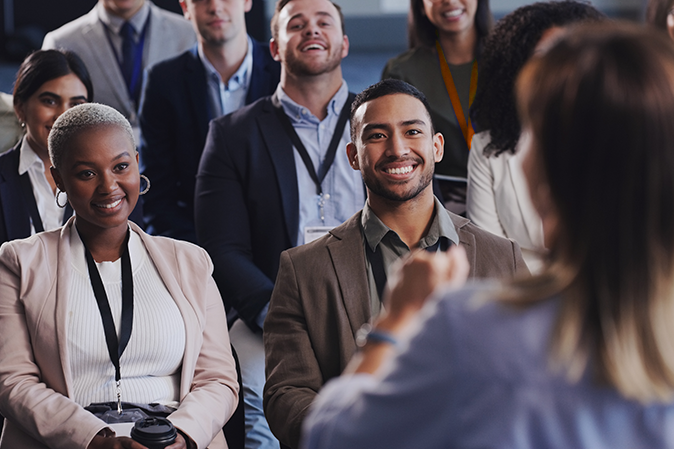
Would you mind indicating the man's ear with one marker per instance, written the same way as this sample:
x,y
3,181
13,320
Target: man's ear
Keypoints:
x,y
273,49
352,155
183,5
438,146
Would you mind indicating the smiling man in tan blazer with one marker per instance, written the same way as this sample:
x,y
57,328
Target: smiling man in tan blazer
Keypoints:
x,y
327,290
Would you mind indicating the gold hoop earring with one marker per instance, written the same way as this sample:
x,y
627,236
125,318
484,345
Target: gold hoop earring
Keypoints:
x,y
58,193
147,184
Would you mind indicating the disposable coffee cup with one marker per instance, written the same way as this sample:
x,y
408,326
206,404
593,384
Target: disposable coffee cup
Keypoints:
x,y
154,433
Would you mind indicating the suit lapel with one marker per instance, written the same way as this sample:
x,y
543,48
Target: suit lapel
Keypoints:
x,y
99,46
466,239
348,259
63,273
154,36
281,153
526,209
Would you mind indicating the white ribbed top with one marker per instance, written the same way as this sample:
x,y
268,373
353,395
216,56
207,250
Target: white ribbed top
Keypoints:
x,y
150,365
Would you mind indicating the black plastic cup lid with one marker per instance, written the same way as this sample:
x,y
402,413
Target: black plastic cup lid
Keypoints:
x,y
154,431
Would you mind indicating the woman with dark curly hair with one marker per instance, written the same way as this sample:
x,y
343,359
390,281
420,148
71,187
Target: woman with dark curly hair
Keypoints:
x,y
498,200
660,14
445,38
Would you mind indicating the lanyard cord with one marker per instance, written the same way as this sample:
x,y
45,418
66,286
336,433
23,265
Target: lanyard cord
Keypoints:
x,y
115,347
465,124
332,148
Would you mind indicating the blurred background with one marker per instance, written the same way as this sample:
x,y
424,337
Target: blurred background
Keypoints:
x,y
377,29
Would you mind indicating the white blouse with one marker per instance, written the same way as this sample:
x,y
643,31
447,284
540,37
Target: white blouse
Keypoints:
x,y
150,365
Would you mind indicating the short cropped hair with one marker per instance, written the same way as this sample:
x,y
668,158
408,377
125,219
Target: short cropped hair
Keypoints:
x,y
280,4
383,88
81,118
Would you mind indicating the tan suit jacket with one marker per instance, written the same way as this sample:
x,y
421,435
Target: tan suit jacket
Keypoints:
x,y
321,299
35,377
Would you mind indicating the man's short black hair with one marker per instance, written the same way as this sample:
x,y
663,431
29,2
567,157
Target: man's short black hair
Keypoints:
x,y
382,89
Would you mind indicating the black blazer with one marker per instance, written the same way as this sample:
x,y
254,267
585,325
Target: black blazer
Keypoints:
x,y
174,120
15,202
247,204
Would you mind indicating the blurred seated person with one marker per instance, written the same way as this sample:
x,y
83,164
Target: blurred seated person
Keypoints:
x,y
498,200
97,309
580,356
10,128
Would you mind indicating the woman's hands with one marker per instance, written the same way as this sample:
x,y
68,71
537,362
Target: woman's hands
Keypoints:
x,y
106,439
413,281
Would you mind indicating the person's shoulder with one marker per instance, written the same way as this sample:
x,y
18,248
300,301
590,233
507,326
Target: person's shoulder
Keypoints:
x,y
34,249
71,32
409,59
172,67
9,163
187,254
350,229
246,113
170,16
482,237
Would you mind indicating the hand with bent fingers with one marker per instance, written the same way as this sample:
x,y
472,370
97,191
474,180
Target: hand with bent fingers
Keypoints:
x,y
416,277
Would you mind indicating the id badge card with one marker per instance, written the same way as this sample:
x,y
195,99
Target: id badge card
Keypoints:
x,y
312,233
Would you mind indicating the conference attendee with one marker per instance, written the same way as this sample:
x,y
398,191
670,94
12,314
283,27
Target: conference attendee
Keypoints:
x,y
327,290
498,200
48,83
659,14
274,175
117,315
10,127
579,356
445,40
117,40
224,71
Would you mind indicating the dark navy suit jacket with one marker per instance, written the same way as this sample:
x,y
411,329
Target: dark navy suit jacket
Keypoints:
x,y
174,116
247,204
14,202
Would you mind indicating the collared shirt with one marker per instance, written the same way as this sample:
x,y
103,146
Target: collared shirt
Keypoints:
x,y
227,97
343,191
113,26
376,233
50,214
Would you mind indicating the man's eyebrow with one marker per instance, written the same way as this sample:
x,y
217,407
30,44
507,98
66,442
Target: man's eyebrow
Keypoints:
x,y
373,126
416,121
301,15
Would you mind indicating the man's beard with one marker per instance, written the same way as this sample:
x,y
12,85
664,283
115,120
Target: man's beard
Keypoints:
x,y
299,68
377,187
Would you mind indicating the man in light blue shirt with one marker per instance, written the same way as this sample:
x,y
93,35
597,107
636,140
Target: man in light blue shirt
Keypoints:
x,y
275,175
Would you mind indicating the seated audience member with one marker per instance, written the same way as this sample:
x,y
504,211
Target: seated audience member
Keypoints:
x,y
10,128
58,352
581,355
659,14
223,72
445,46
274,175
498,200
117,40
326,290
48,83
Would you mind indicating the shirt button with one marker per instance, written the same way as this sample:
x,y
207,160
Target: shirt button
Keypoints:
x,y
326,196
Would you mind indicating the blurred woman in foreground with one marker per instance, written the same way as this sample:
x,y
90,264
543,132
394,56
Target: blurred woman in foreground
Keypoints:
x,y
98,308
580,356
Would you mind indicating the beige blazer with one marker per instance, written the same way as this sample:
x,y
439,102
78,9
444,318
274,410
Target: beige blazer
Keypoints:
x,y
35,379
320,300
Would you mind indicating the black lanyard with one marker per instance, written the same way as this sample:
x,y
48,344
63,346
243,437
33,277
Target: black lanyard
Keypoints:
x,y
115,347
29,198
332,148
376,260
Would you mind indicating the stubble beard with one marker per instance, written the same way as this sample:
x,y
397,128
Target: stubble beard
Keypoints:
x,y
378,188
301,69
